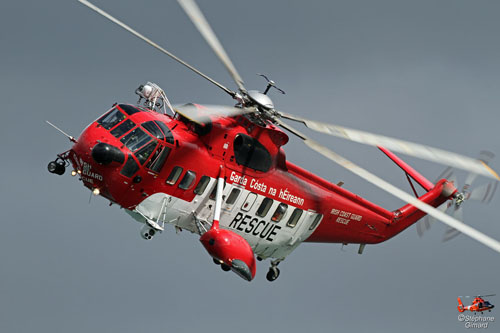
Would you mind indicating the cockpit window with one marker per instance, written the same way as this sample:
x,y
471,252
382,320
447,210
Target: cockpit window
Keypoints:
x,y
129,109
159,130
130,167
153,129
168,134
144,153
109,120
251,153
123,128
158,159
135,139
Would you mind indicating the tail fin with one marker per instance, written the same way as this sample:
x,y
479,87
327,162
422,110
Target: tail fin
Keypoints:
x,y
460,306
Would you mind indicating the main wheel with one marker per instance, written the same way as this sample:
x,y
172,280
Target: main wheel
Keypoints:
x,y
273,274
225,267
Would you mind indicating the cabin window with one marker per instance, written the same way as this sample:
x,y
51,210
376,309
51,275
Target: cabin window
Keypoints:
x,y
158,159
251,153
247,205
188,180
129,109
279,212
214,191
292,221
174,175
109,120
317,219
231,199
264,207
135,139
144,153
130,167
202,185
123,128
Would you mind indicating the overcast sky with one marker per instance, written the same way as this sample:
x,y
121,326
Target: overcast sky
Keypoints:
x,y
426,71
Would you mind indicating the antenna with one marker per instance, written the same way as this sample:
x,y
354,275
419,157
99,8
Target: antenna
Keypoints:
x,y
72,139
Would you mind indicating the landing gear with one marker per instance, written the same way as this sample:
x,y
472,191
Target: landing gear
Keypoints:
x,y
58,166
274,271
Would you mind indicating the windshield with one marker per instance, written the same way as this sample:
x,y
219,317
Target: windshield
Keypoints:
x,y
111,118
135,139
123,128
129,109
159,130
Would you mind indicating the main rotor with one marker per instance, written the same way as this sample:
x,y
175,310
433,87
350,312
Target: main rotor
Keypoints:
x,y
259,103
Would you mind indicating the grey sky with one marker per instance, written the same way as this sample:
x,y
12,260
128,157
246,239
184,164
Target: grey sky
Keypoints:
x,y
426,71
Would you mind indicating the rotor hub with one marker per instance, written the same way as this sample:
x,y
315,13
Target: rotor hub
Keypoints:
x,y
260,99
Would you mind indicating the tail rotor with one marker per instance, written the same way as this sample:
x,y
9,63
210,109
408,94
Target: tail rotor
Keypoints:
x,y
483,193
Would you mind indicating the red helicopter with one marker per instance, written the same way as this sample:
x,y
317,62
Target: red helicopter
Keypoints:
x,y
478,305
221,172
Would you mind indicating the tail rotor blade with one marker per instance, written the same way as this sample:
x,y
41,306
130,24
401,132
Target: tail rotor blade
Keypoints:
x,y
382,184
484,193
405,147
484,156
199,20
451,233
422,226
425,224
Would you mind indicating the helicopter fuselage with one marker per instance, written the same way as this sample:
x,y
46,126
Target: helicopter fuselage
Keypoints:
x,y
162,170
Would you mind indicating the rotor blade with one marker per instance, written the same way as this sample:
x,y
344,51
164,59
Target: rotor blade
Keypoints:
x,y
425,224
451,233
484,193
487,295
446,219
405,147
150,42
445,174
198,19
202,114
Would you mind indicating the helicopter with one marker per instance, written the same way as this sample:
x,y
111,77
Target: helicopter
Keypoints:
x,y
478,305
221,173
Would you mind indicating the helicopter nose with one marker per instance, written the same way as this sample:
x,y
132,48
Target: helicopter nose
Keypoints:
x,y
104,154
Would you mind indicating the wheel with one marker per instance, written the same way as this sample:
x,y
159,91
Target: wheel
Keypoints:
x,y
216,261
273,274
225,267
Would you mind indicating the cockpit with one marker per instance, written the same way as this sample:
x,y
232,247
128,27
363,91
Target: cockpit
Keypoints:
x,y
149,142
